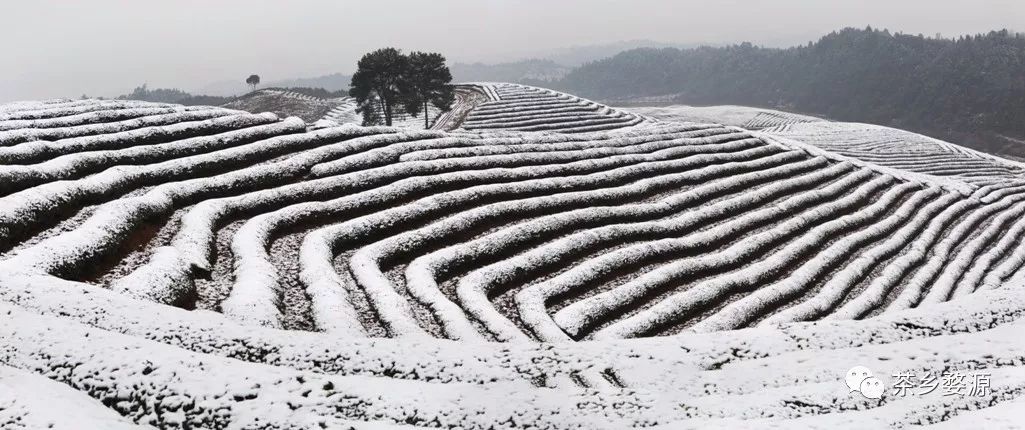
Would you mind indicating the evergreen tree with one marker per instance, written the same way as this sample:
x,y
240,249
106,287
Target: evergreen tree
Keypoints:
x,y
379,84
253,81
427,82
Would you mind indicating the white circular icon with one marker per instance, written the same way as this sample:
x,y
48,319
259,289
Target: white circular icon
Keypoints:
x,y
856,376
872,388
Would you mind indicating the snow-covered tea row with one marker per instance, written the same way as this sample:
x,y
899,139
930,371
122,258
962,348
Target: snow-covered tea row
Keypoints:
x,y
395,258
525,108
285,103
344,113
905,151
738,116
645,231
883,146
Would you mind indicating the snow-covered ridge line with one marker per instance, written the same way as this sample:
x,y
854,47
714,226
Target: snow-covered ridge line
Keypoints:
x,y
901,149
18,177
525,108
37,151
79,107
93,117
29,134
946,183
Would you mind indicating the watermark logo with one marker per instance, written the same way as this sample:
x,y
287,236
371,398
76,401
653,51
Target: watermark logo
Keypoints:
x,y
860,379
948,383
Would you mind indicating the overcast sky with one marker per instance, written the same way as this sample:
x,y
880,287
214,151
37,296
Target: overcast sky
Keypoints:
x,y
106,47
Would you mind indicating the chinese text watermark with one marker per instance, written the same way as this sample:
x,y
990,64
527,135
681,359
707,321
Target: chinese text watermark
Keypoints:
x,y
948,383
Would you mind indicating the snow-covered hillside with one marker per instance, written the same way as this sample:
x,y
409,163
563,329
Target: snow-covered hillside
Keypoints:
x,y
345,113
515,107
904,150
289,103
208,268
739,116
907,153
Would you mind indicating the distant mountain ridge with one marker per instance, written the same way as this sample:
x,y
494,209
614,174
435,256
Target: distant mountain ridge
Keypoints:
x,y
546,66
534,67
519,71
578,55
969,90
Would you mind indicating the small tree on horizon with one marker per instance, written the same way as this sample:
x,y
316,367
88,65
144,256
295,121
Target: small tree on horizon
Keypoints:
x,y
253,81
379,84
428,82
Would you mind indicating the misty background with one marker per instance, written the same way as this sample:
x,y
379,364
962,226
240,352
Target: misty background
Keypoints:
x,y
107,47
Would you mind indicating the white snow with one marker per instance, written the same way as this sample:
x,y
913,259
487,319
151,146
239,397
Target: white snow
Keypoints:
x,y
612,271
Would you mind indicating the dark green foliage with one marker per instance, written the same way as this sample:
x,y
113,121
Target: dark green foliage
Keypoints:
x,y
378,83
386,81
174,95
958,89
203,100
253,81
159,95
427,81
371,117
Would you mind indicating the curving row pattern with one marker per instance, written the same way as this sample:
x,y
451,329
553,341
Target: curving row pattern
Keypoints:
x,y
904,150
555,237
352,258
516,107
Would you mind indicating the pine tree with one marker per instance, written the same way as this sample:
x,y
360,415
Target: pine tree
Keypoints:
x,y
428,82
253,81
379,83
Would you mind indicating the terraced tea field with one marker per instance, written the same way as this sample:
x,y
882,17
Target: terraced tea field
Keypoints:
x,y
547,262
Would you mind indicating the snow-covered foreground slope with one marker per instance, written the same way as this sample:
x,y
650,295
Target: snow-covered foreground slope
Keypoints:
x,y
241,271
164,366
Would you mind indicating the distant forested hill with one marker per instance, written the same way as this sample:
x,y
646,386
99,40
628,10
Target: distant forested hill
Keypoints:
x,y
970,89
519,71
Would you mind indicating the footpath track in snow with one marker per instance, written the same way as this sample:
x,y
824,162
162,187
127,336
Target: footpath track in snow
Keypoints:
x,y
250,271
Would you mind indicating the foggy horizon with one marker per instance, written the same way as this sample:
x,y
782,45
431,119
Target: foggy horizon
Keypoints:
x,y
105,48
